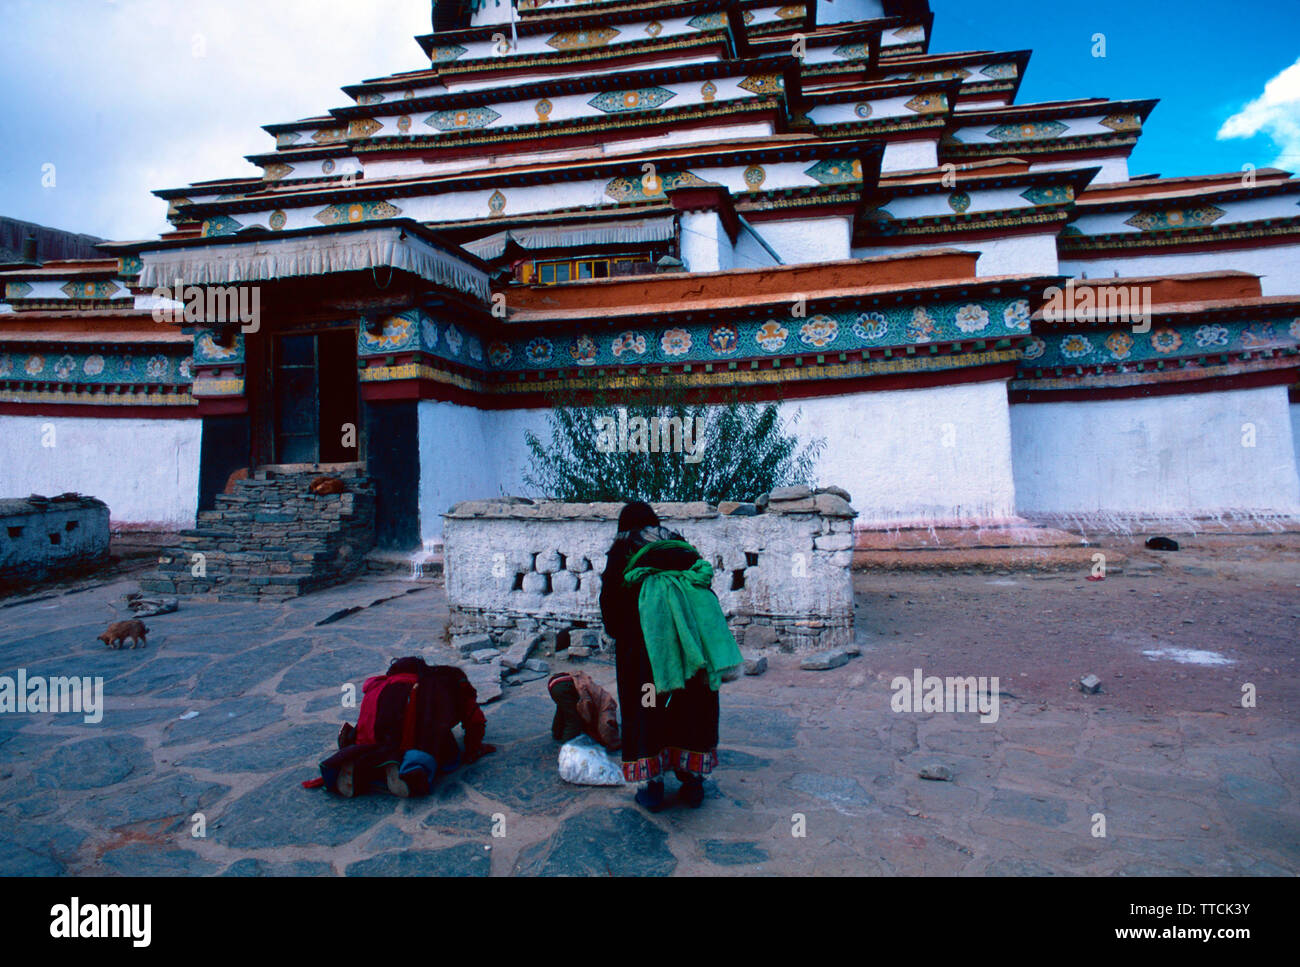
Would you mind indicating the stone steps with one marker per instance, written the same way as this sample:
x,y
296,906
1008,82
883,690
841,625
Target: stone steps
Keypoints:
x,y
271,539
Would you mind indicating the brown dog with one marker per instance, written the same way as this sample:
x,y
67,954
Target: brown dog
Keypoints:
x,y
117,633
324,486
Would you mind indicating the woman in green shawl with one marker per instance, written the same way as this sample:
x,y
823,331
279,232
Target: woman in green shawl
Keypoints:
x,y
655,583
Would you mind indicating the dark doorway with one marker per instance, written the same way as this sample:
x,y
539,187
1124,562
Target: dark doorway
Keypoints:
x,y
314,384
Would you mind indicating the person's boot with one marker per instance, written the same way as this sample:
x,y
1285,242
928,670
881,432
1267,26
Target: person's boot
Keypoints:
x,y
692,791
651,795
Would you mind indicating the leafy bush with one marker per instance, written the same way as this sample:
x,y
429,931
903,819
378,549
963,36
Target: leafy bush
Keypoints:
x,y
742,450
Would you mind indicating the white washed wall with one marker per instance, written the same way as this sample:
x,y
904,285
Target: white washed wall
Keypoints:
x,y
147,471
1016,255
1161,455
801,240
1295,432
910,155
1278,266
940,455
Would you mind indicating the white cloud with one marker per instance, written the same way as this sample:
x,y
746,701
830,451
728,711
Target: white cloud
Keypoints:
x,y
127,96
1275,113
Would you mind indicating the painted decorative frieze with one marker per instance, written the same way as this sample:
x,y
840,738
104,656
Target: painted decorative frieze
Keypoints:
x,y
1049,195
1028,131
1173,218
836,171
76,365
447,53
361,211
583,39
462,119
763,84
640,99
1106,347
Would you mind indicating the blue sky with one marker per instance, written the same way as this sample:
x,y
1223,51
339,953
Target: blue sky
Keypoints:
x,y
123,96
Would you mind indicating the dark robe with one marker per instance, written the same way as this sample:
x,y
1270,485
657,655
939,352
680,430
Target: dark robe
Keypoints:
x,y
680,730
444,700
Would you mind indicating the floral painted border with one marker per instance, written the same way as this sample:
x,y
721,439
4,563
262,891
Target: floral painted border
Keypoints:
x,y
60,364
1110,347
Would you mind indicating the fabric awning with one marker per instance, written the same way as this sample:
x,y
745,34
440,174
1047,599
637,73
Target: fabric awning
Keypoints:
x,y
658,229
265,258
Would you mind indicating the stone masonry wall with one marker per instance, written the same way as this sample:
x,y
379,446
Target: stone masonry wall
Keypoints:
x,y
43,537
781,565
272,539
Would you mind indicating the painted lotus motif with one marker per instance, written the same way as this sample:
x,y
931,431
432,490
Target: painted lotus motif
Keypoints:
x,y
871,326
538,350
209,348
972,318
454,340
94,365
1211,336
1016,316
1076,346
724,339
1166,341
156,367
921,327
772,335
819,331
1295,329
498,353
1035,348
583,351
430,331
64,366
1119,344
6,365
631,343
395,333
186,367
34,365
475,349
676,342
1258,334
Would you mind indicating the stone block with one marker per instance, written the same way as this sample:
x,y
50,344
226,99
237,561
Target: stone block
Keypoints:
x,y
548,562
805,505
833,542
519,646
837,491
467,644
825,661
733,508
797,492
755,666
832,505
761,637
564,582
535,583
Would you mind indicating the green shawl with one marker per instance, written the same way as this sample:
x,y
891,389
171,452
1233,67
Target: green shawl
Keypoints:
x,y
683,624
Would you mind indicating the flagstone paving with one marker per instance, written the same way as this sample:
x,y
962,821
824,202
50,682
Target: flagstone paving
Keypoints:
x,y
212,728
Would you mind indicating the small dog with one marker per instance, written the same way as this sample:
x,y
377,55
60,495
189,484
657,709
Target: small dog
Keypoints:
x,y
324,486
117,633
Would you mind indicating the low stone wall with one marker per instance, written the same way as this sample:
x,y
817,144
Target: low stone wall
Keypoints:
x,y
781,564
44,537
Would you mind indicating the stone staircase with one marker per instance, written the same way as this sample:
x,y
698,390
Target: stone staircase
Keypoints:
x,y
272,539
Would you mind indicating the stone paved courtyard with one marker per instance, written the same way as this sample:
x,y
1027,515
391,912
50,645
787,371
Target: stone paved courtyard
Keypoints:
x,y
1187,780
